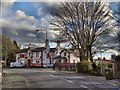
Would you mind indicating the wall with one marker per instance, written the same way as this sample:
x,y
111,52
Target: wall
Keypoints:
x,y
67,55
36,58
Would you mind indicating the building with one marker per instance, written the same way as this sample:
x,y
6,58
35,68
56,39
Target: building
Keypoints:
x,y
40,56
70,55
45,56
104,61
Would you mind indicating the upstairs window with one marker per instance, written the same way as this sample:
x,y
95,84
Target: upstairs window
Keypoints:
x,y
65,54
37,54
73,61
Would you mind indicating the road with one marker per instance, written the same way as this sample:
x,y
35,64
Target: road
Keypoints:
x,y
48,78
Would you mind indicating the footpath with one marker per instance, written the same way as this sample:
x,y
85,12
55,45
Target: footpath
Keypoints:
x,y
0,76
97,78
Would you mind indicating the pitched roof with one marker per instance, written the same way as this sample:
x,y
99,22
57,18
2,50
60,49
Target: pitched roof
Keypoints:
x,y
38,49
68,50
102,60
59,57
23,50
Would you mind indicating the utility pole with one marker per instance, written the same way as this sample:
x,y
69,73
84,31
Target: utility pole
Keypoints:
x,y
46,46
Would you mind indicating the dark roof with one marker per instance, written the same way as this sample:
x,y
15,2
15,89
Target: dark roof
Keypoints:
x,y
68,50
38,49
53,49
59,57
22,50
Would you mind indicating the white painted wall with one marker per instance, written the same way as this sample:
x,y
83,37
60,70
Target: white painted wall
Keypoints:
x,y
72,58
67,54
36,58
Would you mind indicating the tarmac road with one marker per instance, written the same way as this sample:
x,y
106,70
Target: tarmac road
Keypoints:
x,y
48,78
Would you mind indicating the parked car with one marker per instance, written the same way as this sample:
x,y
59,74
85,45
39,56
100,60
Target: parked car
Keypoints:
x,y
16,64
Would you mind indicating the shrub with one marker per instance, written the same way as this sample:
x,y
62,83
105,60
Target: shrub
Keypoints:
x,y
109,65
117,58
84,67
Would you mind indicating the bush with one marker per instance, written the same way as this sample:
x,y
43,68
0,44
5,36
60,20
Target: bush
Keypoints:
x,y
109,65
117,58
84,67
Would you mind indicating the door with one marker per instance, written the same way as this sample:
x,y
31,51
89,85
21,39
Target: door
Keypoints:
x,y
29,63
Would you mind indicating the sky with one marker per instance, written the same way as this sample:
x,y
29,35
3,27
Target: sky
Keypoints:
x,y
21,19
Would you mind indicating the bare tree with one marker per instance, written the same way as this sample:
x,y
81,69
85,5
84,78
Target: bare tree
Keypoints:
x,y
82,23
113,43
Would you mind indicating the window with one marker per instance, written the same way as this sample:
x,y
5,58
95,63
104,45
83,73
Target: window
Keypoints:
x,y
64,54
37,61
73,61
37,54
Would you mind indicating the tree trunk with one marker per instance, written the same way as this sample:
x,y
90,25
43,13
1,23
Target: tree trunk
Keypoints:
x,y
90,51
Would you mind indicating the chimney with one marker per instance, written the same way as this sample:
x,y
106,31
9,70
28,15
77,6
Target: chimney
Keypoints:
x,y
30,46
58,47
46,42
21,46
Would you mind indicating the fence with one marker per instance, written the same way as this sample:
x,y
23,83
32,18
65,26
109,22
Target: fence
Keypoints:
x,y
66,66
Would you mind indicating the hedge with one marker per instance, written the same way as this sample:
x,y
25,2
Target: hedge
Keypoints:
x,y
84,67
109,65
117,58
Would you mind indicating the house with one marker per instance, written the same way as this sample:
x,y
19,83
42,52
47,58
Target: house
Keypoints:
x,y
40,56
45,56
67,56
105,61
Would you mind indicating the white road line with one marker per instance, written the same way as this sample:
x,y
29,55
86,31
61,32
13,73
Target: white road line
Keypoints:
x,y
68,81
53,75
84,86
62,78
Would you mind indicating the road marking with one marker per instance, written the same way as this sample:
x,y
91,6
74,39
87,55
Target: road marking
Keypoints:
x,y
53,75
83,86
68,81
75,77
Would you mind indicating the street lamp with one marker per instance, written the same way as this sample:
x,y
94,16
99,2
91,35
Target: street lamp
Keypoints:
x,y
45,46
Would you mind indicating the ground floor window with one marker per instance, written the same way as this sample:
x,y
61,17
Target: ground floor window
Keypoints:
x,y
37,61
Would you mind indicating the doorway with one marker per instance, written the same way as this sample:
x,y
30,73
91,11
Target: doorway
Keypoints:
x,y
29,63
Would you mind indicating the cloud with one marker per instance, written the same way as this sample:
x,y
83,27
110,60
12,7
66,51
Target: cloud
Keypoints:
x,y
20,15
6,8
31,35
40,12
34,44
44,22
21,27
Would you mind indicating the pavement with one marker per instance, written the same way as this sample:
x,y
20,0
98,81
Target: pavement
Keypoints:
x,y
1,77
91,77
48,78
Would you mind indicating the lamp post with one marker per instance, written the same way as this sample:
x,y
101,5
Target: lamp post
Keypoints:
x,y
45,46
